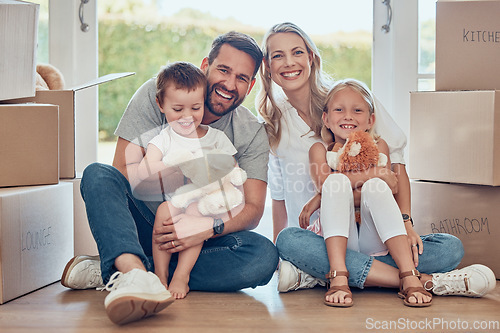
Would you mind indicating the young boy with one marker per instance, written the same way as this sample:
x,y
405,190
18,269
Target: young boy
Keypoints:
x,y
180,95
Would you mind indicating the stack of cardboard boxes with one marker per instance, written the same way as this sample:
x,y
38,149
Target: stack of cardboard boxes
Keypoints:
x,y
455,133
42,215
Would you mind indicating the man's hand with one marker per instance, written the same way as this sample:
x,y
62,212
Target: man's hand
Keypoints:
x,y
183,231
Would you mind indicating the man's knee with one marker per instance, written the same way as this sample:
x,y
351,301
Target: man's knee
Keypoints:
x,y
99,176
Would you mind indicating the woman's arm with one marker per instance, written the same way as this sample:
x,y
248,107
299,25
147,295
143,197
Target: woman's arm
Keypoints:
x,y
280,217
403,198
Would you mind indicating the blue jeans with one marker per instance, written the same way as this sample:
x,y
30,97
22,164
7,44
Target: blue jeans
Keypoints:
x,y
307,251
122,224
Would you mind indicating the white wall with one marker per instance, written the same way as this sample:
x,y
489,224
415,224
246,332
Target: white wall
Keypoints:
x,y
395,59
75,53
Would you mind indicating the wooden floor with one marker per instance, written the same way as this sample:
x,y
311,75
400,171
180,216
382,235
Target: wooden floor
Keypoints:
x,y
57,309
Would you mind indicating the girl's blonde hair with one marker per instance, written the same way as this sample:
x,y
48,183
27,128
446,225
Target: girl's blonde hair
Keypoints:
x,y
319,83
358,86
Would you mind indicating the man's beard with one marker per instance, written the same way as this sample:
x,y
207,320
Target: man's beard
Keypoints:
x,y
218,108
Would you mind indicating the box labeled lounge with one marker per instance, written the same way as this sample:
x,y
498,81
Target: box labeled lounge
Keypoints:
x,y
71,140
36,237
18,42
469,212
467,45
455,136
29,144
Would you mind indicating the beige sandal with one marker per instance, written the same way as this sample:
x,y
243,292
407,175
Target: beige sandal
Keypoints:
x,y
410,291
333,289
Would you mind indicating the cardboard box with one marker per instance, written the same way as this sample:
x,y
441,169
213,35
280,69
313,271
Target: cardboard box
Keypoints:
x,y
467,45
68,101
36,237
469,212
18,43
455,136
83,239
29,146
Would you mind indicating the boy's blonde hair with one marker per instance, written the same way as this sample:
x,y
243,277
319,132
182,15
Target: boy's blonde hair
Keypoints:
x,y
319,83
358,86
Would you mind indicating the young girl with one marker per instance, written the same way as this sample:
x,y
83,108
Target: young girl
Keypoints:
x,y
180,95
350,108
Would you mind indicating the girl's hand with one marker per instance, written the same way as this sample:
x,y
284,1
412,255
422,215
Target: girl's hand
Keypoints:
x,y
415,242
309,208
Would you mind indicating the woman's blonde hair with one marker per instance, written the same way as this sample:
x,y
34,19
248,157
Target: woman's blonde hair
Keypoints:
x,y
319,83
358,86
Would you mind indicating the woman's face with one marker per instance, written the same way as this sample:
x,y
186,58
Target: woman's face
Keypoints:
x,y
289,61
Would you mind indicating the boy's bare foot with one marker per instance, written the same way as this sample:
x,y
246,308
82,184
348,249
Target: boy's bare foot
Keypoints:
x,y
179,286
163,279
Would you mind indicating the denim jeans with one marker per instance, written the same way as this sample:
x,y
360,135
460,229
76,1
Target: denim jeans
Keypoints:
x,y
122,224
307,251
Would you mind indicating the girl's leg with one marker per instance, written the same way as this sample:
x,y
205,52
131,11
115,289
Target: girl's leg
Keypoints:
x,y
336,247
338,225
161,258
400,252
381,217
187,258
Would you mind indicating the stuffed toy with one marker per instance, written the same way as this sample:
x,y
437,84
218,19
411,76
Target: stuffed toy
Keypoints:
x,y
358,153
48,78
214,178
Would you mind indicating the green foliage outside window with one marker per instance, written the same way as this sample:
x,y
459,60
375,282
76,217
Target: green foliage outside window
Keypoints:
x,y
144,48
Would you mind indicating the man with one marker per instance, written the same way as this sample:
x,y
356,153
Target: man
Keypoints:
x,y
232,257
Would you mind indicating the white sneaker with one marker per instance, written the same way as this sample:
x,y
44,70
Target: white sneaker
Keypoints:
x,y
135,295
473,281
82,272
292,278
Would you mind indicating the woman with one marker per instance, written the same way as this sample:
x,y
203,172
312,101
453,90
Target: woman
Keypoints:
x,y
291,101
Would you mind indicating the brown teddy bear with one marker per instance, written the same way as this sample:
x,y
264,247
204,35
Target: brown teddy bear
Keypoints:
x,y
48,78
359,153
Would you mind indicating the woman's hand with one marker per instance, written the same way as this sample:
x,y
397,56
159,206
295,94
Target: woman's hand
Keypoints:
x,y
415,242
387,176
309,208
183,231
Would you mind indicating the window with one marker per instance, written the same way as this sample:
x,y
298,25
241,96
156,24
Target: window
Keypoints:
x,y
43,31
426,44
131,31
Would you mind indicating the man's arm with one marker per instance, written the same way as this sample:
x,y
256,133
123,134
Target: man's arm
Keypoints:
x,y
188,230
127,159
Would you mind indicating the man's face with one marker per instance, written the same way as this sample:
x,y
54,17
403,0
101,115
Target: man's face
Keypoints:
x,y
229,79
